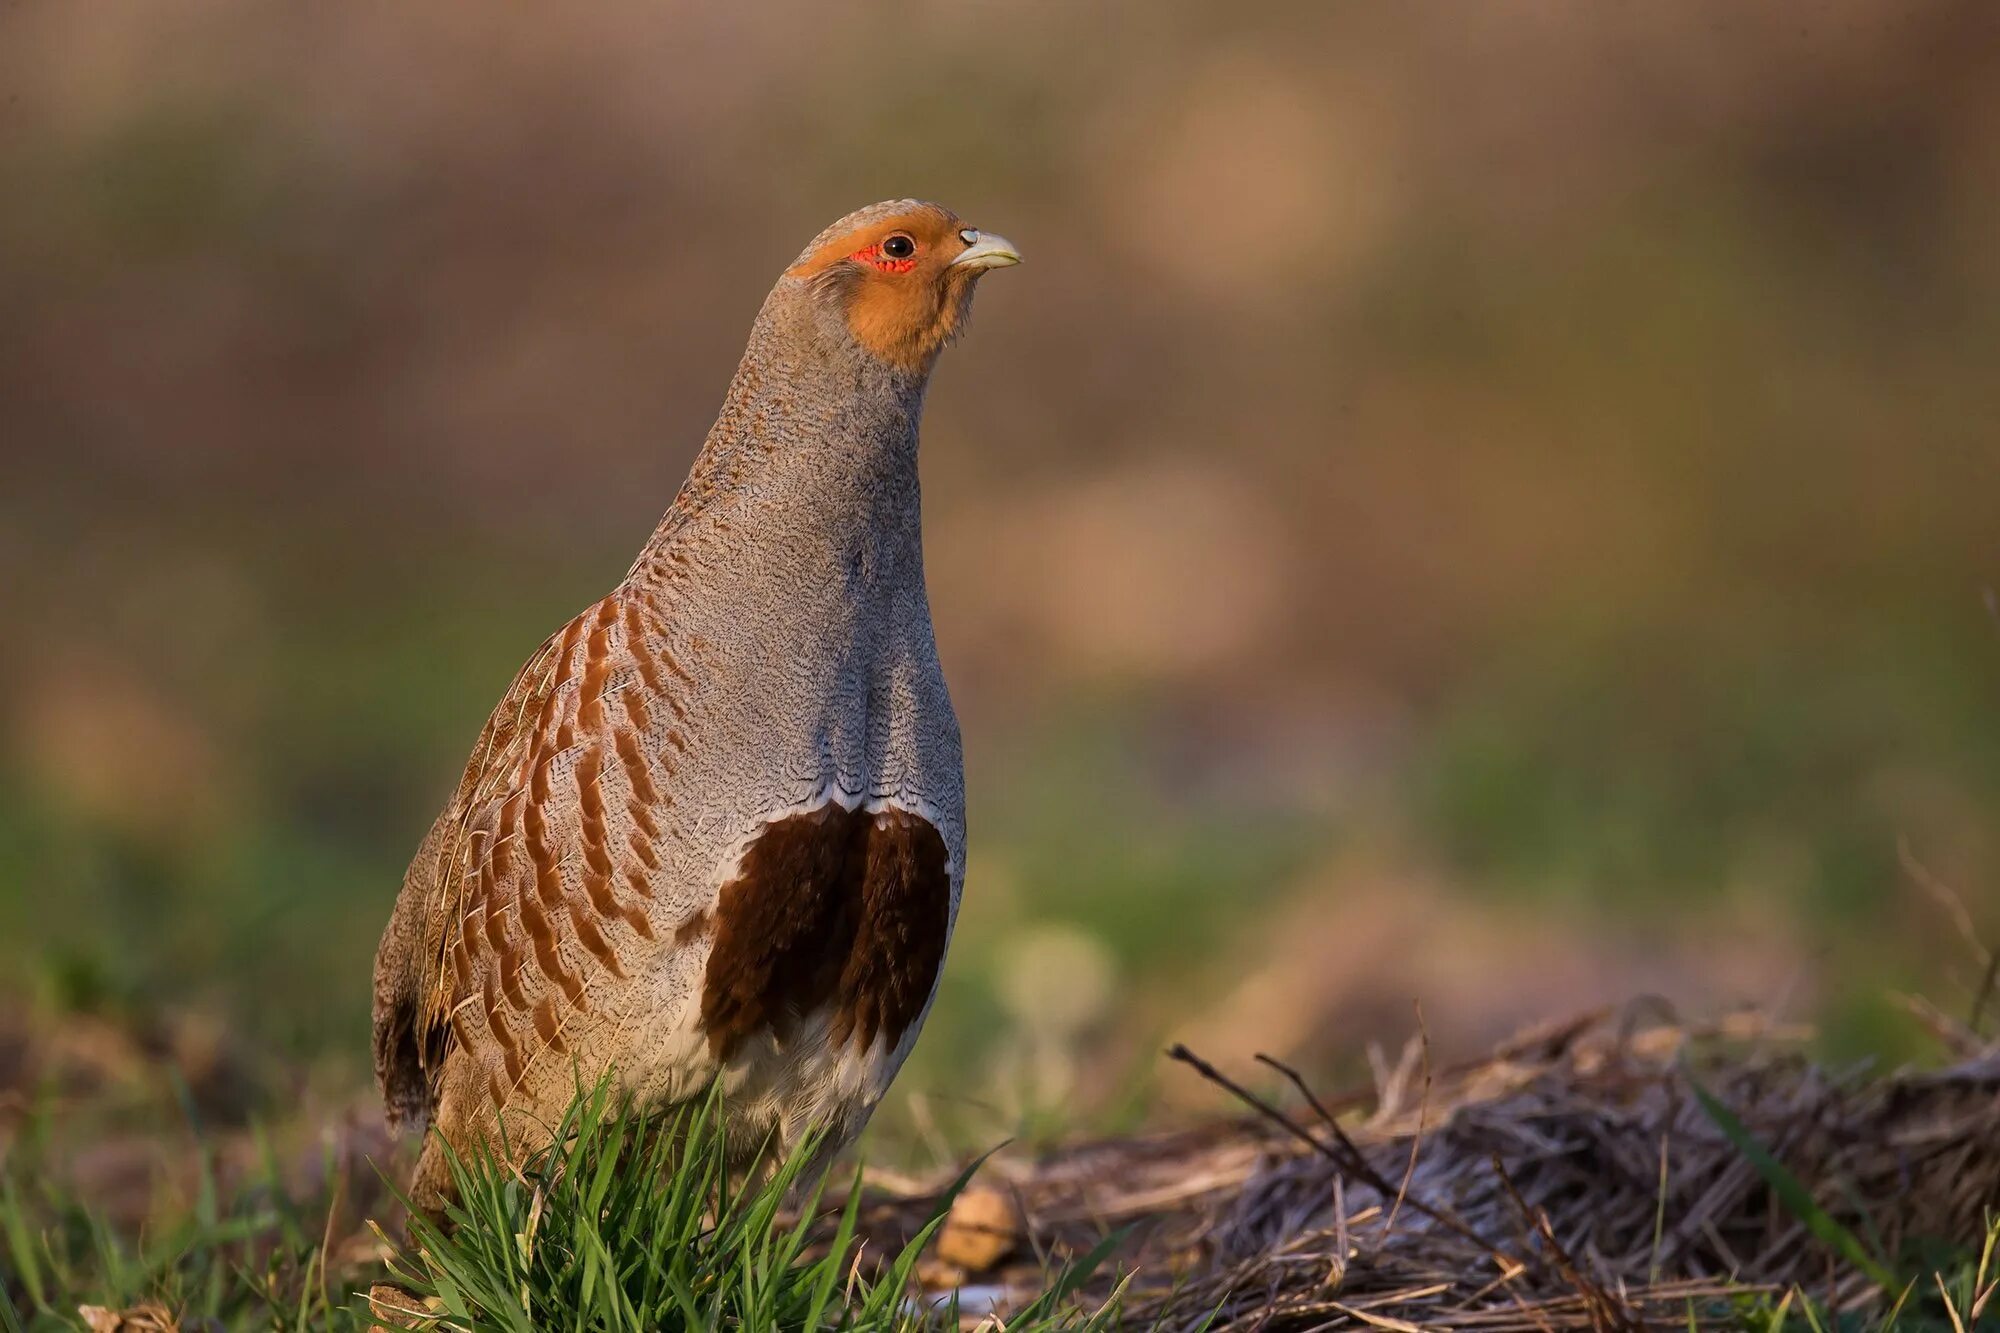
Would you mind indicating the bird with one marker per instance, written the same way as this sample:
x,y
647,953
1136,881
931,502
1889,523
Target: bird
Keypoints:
x,y
713,835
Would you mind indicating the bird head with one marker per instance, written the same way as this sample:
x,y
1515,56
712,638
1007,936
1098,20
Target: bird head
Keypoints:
x,y
901,275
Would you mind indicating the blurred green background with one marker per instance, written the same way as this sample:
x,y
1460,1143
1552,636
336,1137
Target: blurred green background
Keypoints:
x,y
1482,504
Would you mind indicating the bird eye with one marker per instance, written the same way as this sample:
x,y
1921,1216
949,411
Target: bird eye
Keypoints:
x,y
899,246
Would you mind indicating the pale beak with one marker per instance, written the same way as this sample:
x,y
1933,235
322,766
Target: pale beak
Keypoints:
x,y
985,251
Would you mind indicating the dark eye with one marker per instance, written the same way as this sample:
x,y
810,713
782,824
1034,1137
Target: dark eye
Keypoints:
x,y
899,246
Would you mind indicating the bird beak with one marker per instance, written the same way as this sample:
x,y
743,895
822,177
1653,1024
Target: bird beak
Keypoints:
x,y
985,251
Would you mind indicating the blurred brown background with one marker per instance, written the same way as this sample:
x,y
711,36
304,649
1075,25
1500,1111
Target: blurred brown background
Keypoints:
x,y
1487,504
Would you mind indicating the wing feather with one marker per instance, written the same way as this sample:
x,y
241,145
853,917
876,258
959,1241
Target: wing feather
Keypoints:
x,y
538,882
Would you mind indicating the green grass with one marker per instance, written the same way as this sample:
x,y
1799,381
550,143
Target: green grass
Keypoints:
x,y
254,1261
1954,1297
631,1223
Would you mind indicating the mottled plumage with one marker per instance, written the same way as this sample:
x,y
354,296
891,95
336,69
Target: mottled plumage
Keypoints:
x,y
715,827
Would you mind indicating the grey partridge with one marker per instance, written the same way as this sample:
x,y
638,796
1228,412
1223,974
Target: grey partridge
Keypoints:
x,y
715,829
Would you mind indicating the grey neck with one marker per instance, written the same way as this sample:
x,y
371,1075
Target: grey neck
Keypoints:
x,y
820,435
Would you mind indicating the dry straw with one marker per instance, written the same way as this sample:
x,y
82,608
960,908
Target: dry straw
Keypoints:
x,y
1613,1172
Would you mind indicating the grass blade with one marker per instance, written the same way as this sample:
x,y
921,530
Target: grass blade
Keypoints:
x,y
1796,1198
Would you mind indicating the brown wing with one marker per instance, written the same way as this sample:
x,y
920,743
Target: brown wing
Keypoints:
x,y
537,883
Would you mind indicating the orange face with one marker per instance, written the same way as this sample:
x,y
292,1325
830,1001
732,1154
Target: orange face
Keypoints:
x,y
906,280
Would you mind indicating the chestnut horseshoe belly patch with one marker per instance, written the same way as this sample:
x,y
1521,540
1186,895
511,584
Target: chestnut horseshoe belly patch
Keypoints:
x,y
844,910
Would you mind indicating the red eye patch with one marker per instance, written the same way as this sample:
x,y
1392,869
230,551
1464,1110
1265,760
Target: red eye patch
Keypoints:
x,y
874,256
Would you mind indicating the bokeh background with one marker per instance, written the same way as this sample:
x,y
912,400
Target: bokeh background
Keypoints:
x,y
1488,505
